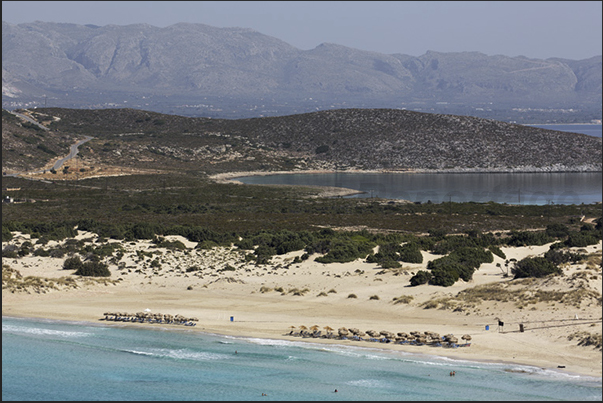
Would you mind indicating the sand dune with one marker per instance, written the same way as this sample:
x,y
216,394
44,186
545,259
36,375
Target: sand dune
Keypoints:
x,y
265,301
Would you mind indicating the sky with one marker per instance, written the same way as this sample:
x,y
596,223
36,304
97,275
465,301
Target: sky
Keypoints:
x,y
534,29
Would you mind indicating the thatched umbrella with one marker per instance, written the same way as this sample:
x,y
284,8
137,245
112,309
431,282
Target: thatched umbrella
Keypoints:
x,y
422,340
403,334
360,333
466,337
314,328
329,329
453,340
354,330
343,331
372,333
302,327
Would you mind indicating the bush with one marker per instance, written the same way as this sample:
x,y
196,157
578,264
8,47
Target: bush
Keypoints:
x,y
6,234
527,238
580,240
422,277
352,296
390,264
343,250
557,230
73,263
322,149
94,269
445,276
411,253
497,251
534,267
557,256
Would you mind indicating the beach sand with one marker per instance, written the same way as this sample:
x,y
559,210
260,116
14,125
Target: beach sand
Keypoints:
x,y
247,295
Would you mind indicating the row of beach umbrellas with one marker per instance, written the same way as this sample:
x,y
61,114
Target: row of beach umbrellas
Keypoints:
x,y
148,316
422,337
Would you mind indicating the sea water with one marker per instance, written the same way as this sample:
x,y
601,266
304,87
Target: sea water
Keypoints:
x,y
60,360
512,188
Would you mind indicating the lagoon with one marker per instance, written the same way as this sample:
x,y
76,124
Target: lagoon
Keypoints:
x,y
511,188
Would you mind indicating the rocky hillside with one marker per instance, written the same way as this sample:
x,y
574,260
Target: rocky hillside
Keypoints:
x,y
85,65
339,139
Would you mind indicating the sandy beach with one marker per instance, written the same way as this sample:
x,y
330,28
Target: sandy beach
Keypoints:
x,y
266,301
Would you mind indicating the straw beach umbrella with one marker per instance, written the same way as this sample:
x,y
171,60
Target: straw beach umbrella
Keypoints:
x,y
466,337
372,333
329,329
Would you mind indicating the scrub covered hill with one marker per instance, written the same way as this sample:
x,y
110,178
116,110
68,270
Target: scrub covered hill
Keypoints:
x,y
342,139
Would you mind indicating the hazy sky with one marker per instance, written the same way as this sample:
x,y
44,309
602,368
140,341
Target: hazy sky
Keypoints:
x,y
535,29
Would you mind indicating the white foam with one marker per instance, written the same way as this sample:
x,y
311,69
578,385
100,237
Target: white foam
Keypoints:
x,y
41,332
368,383
181,354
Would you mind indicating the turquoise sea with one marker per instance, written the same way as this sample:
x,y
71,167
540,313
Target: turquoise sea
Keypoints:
x,y
60,360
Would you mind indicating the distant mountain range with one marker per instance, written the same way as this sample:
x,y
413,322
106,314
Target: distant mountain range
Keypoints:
x,y
206,67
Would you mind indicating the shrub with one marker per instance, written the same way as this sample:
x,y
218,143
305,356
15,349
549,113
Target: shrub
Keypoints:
x,y
342,250
322,149
534,267
580,240
245,244
557,230
94,269
557,256
352,296
422,277
390,264
375,297
73,263
206,245
497,251
527,238
445,276
411,253
6,234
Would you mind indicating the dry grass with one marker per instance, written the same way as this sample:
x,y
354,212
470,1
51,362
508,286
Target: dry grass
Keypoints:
x,y
13,281
524,292
587,339
403,299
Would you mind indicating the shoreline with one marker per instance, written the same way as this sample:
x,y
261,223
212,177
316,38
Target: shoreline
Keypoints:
x,y
314,342
231,177
265,300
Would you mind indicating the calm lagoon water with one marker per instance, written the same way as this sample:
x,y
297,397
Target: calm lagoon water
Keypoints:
x,y
58,360
512,188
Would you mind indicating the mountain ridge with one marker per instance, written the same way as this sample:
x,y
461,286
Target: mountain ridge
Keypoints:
x,y
198,60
